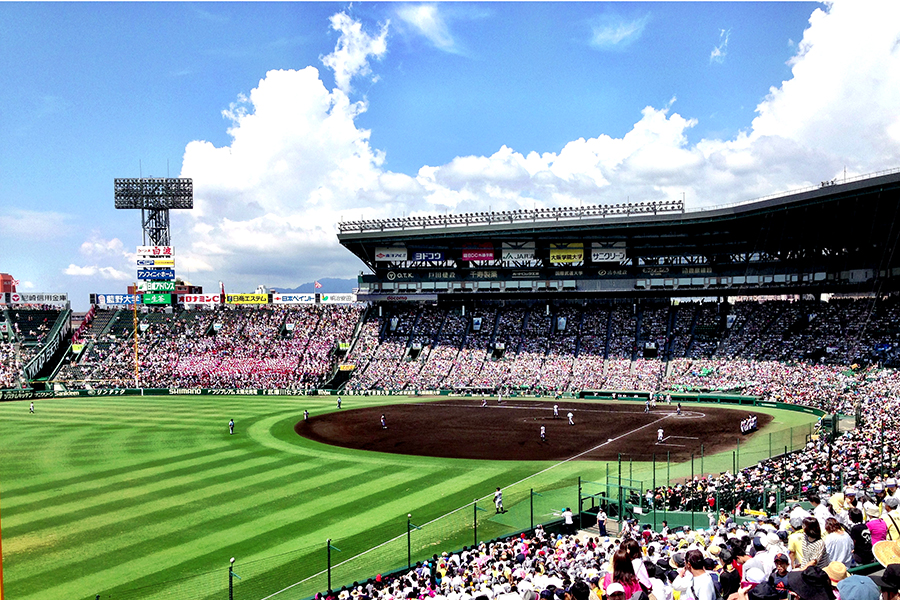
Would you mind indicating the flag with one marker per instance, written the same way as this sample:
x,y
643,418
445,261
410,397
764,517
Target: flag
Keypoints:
x,y
318,285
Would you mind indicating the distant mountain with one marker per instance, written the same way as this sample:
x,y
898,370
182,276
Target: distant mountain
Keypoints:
x,y
329,286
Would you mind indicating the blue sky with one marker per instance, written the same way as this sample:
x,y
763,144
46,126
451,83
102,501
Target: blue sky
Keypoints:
x,y
291,116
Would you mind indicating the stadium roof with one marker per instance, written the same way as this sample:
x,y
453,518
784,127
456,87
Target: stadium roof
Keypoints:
x,y
838,232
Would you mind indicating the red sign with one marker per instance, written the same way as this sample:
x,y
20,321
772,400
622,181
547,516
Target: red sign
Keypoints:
x,y
479,254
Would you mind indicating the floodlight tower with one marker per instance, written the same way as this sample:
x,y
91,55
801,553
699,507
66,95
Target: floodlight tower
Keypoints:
x,y
155,196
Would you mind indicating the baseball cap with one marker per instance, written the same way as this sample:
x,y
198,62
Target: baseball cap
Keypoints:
x,y
614,588
782,557
892,501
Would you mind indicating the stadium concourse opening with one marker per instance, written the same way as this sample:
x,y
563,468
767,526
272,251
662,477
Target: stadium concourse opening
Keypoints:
x,y
465,428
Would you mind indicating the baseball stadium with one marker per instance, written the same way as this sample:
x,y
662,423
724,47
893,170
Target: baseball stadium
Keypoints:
x,y
504,400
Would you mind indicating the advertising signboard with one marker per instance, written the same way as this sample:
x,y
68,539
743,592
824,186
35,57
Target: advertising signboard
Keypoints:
x,y
157,298
517,251
601,253
199,298
427,255
40,298
565,254
155,262
118,299
151,251
293,298
156,286
338,298
156,274
483,251
390,254
246,298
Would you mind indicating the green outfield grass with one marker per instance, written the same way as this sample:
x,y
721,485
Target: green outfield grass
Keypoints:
x,y
149,497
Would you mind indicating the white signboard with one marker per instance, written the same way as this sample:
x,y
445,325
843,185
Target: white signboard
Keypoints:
x,y
517,251
21,298
338,298
200,298
155,251
293,298
390,254
603,253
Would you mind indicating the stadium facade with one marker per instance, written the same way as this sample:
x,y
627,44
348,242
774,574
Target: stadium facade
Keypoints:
x,y
835,238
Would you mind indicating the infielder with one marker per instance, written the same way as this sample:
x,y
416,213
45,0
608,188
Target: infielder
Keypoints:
x,y
570,415
659,435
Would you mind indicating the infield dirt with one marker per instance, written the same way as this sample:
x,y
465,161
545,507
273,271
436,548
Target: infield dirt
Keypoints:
x,y
463,428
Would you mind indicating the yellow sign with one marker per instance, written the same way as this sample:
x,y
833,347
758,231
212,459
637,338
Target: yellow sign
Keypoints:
x,y
163,262
564,254
347,367
246,298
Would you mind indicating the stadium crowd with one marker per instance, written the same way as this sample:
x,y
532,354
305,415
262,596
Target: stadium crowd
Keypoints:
x,y
767,559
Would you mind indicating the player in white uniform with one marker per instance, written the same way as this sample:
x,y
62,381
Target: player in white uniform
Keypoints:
x,y
498,500
556,411
659,435
570,415
31,408
543,433
231,427
383,422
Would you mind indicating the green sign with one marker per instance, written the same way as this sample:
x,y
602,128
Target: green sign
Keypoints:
x,y
157,298
157,286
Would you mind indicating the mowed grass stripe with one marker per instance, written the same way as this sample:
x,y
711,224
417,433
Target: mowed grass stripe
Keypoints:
x,y
142,529
126,496
16,501
284,516
55,481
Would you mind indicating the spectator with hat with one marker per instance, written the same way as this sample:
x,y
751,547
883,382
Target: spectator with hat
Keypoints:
x,y
857,587
891,517
837,572
811,583
889,582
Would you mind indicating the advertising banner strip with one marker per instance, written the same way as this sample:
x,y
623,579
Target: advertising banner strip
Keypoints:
x,y
390,254
518,254
155,262
161,251
246,298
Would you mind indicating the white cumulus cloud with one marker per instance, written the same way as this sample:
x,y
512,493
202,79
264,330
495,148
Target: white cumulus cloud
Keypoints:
x,y
719,52
350,57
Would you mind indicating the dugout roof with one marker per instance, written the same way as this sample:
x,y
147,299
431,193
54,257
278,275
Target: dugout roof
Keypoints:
x,y
832,238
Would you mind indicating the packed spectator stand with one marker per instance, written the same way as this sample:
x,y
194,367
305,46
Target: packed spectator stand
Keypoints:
x,y
836,356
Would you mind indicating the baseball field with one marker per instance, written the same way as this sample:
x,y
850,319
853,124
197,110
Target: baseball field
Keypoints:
x,y
150,497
